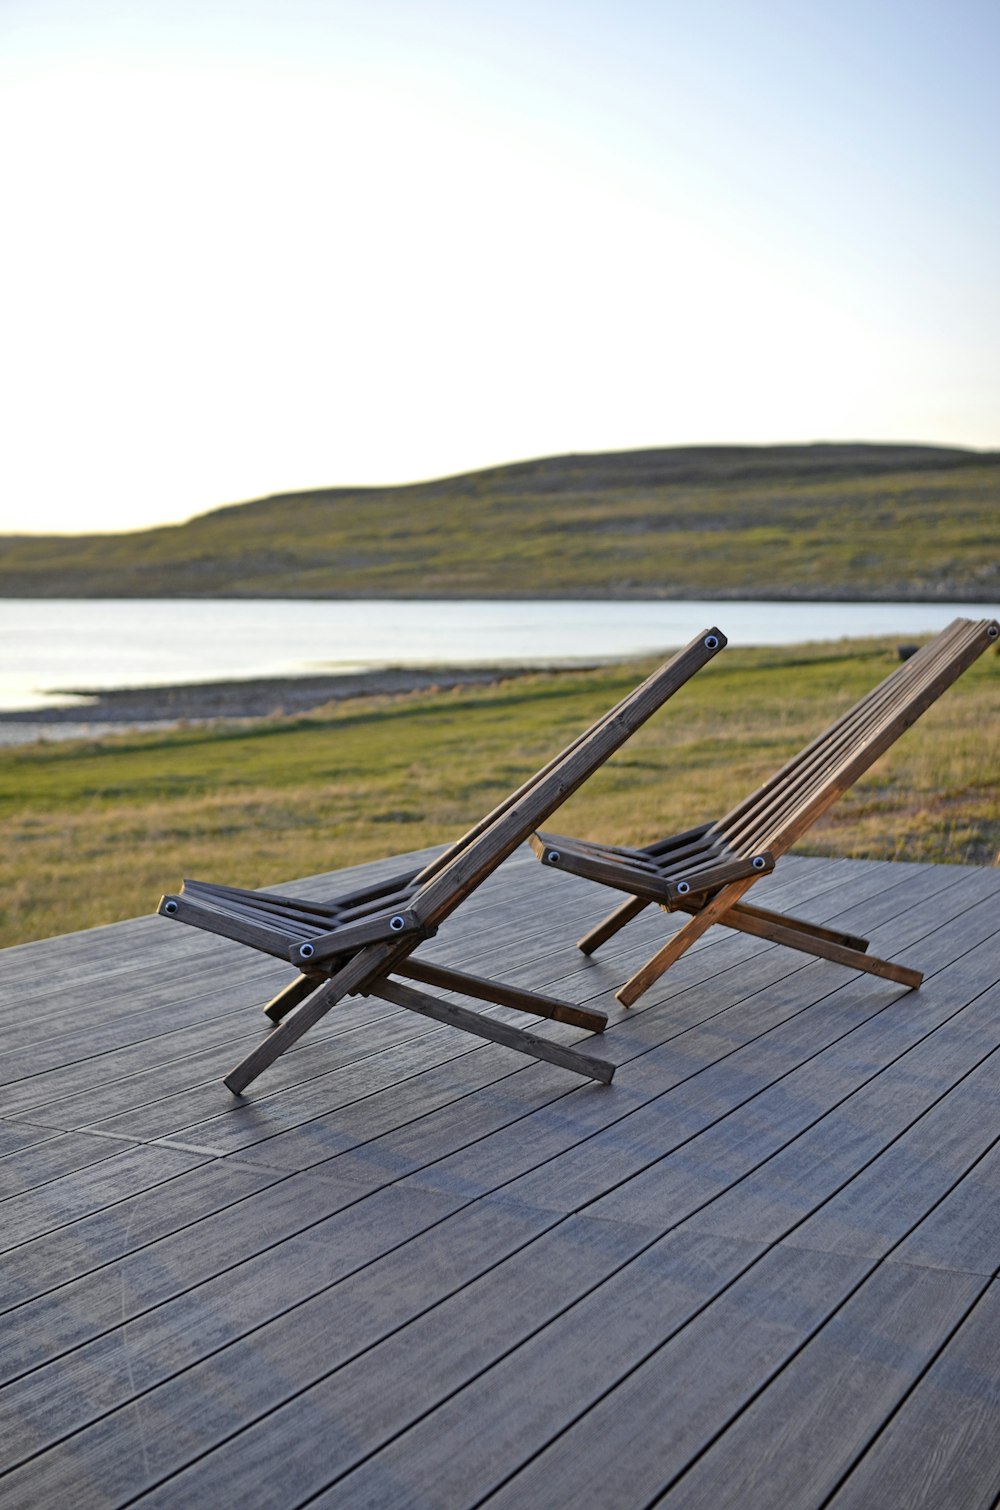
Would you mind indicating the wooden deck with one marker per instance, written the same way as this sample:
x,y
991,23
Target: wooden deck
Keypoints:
x,y
412,1270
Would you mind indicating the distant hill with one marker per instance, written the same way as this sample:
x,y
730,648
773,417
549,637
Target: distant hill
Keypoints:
x,y
822,521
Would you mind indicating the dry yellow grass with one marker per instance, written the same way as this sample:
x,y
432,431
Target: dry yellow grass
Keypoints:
x,y
94,832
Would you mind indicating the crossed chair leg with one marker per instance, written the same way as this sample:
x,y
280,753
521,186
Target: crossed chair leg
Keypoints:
x,y
501,995
725,907
394,991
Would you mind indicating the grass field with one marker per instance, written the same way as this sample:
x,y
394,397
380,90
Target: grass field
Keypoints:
x,y
840,521
95,832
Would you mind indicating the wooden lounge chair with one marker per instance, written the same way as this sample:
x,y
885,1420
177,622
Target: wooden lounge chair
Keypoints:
x,y
707,870
362,943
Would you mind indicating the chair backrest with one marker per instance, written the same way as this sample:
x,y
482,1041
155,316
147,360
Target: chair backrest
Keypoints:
x,y
780,811
469,861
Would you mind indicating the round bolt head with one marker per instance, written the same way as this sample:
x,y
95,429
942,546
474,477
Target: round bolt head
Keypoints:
x,y
553,857
170,906
397,923
993,631
759,862
307,951
683,887
711,642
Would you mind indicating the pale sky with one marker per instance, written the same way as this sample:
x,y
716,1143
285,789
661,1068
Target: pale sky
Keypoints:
x,y
257,247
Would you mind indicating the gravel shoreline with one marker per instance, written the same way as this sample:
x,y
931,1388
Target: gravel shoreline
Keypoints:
x,y
207,702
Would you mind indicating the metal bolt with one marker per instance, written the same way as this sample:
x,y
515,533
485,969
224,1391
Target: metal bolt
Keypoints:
x,y
992,632
397,923
711,642
759,862
683,887
553,857
170,906
307,951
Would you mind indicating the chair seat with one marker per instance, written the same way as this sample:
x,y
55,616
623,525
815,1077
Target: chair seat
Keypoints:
x,y
672,872
284,926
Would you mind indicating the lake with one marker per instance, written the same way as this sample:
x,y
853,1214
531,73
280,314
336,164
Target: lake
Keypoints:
x,y
51,647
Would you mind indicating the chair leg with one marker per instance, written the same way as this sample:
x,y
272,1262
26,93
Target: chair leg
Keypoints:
x,y
813,930
842,949
501,995
368,963
496,1032
713,912
279,1006
615,920
811,943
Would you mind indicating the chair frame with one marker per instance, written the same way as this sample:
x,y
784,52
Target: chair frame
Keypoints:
x,y
706,871
357,943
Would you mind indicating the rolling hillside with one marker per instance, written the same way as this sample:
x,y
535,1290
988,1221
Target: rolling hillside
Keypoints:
x,y
824,521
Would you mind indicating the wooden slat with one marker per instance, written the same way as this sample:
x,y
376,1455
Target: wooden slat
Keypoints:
x,y
633,709
823,948
497,1032
453,881
636,857
423,1344
639,881
710,1365
227,925
187,1193
834,936
778,829
91,1187
871,704
51,1158
502,994
290,996
713,912
351,936
941,1450
617,919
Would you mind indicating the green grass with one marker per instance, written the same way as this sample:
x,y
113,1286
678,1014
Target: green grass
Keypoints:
x,y
95,832
849,522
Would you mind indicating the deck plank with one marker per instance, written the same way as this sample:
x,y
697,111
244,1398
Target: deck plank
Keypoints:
x,y
86,1244
92,1187
941,1450
143,1077
876,1349
411,1270
633,1445
220,1124
621,1430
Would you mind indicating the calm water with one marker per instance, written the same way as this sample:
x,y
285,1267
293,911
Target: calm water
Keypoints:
x,y
49,648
